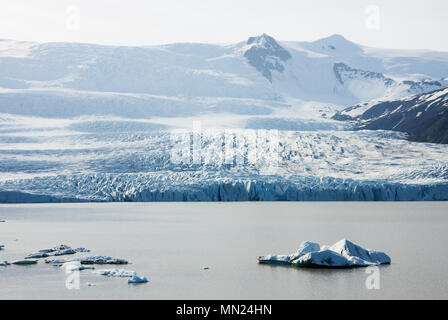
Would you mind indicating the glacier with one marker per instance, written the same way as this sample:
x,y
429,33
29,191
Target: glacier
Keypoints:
x,y
65,164
83,122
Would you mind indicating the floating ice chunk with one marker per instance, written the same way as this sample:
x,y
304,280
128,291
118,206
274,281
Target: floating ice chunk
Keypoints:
x,y
37,255
88,260
75,266
84,267
62,250
61,247
275,259
137,279
56,262
24,262
46,250
116,272
352,251
325,258
343,253
101,260
304,248
71,266
4,263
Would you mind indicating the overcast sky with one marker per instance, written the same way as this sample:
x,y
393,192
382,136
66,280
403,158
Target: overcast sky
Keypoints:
x,y
406,24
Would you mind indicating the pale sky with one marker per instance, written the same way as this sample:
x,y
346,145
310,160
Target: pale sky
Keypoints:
x,y
404,24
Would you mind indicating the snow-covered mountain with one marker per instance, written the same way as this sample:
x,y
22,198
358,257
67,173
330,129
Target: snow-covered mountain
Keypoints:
x,y
423,117
185,79
100,123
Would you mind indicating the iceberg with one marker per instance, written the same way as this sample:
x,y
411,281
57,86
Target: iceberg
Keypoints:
x,y
75,266
37,255
123,273
116,272
24,262
88,260
137,279
60,250
71,266
343,254
101,260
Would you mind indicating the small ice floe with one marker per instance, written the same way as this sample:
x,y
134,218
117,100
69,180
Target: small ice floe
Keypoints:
x,y
71,266
116,272
136,279
62,250
56,262
37,255
24,262
75,266
101,260
4,263
343,254
84,267
88,260
122,273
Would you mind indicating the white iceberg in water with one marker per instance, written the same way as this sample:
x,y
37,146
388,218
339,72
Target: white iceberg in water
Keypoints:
x,y
58,251
123,273
116,272
37,255
75,266
343,254
304,248
137,279
88,260
101,260
24,262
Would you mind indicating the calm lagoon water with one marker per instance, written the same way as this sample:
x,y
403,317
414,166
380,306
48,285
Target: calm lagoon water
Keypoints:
x,y
170,243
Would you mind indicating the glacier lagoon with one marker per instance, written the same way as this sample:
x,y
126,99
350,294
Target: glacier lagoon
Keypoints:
x,y
170,243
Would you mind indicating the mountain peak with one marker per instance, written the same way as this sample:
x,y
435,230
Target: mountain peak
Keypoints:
x,y
261,39
334,43
266,55
335,37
